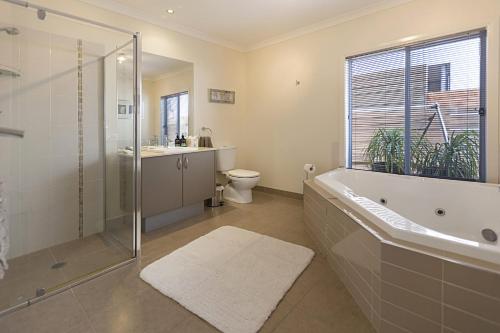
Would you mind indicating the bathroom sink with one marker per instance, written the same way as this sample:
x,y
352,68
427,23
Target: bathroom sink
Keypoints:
x,y
153,149
168,150
180,150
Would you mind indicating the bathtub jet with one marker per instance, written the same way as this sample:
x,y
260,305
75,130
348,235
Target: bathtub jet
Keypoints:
x,y
489,235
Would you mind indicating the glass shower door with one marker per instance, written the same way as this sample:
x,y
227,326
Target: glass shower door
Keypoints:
x,y
60,143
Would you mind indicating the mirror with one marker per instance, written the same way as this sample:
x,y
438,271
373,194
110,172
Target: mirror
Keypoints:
x,y
167,95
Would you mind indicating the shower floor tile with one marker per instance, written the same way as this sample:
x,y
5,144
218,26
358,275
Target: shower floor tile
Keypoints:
x,y
121,302
76,258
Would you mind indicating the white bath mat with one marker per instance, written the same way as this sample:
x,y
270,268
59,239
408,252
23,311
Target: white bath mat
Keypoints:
x,y
232,278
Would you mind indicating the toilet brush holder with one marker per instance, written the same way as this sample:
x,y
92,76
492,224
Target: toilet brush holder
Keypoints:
x,y
218,199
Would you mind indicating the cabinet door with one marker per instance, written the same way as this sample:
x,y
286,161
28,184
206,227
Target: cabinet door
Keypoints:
x,y
198,178
161,184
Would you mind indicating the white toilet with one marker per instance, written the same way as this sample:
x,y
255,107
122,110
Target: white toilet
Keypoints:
x,y
241,182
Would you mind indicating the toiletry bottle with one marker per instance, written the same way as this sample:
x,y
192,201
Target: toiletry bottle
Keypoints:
x,y
177,141
183,141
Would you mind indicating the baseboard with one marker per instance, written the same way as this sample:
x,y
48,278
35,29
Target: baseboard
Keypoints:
x,y
287,194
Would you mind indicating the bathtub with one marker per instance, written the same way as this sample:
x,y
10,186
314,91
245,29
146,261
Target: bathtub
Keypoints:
x,y
445,215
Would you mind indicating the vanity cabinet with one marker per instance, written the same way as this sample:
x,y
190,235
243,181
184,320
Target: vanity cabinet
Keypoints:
x,y
198,177
161,184
171,182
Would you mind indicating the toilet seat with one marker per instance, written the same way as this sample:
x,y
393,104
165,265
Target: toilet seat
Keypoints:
x,y
241,173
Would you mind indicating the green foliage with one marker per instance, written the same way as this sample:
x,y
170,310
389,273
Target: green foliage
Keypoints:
x,y
459,158
386,149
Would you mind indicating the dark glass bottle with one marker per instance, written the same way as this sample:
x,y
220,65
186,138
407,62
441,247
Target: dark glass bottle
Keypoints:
x,y
183,141
177,141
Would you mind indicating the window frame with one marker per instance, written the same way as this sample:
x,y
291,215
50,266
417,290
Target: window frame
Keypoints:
x,y
479,33
164,125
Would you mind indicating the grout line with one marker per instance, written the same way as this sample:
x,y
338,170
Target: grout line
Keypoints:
x,y
52,254
278,324
472,291
361,228
442,296
412,271
293,306
359,275
395,325
473,315
85,313
450,329
354,286
413,313
412,292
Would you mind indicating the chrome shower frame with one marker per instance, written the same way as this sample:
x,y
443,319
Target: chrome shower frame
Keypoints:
x,y
137,96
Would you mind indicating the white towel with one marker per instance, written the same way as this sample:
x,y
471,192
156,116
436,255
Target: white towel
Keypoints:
x,y
4,234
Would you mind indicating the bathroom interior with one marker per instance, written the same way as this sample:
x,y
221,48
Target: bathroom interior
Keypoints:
x,y
318,166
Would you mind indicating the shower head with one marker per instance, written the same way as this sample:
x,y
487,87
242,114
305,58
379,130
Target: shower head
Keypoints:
x,y
10,30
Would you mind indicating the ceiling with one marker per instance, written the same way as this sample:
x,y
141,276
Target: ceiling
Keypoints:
x,y
154,66
245,24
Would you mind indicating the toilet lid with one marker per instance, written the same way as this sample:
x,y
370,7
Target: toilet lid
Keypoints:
x,y
240,173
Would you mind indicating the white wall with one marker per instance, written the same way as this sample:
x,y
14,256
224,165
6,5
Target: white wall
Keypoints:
x,y
288,125
149,124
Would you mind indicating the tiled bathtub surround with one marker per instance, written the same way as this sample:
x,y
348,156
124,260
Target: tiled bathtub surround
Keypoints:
x,y
398,289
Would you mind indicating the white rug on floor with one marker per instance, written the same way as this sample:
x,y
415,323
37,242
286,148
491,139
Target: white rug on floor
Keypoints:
x,y
232,278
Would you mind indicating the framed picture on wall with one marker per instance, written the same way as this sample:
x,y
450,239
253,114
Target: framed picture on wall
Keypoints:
x,y
221,96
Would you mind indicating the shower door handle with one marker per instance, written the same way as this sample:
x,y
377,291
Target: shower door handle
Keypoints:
x,y
11,132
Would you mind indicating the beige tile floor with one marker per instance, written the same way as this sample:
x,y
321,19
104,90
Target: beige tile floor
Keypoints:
x,y
121,302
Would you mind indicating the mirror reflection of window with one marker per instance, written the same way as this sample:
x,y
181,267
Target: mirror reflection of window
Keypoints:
x,y
175,109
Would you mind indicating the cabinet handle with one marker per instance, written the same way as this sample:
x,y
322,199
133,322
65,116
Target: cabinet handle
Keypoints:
x,y
186,161
179,163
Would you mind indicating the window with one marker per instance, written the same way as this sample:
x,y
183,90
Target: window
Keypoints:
x,y
175,116
438,77
420,109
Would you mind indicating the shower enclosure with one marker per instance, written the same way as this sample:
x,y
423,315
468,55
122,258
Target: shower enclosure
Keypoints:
x,y
69,97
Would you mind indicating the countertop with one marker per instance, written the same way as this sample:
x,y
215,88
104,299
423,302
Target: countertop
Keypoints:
x,y
148,151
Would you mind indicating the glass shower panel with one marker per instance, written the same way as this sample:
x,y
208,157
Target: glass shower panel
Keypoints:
x,y
55,85
119,118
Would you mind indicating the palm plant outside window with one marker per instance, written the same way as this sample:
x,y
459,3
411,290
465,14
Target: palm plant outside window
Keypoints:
x,y
419,109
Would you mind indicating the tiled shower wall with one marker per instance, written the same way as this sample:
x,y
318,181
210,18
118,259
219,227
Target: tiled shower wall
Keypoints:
x,y
400,290
40,171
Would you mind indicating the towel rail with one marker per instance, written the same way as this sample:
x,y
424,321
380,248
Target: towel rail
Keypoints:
x,y
205,129
11,132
